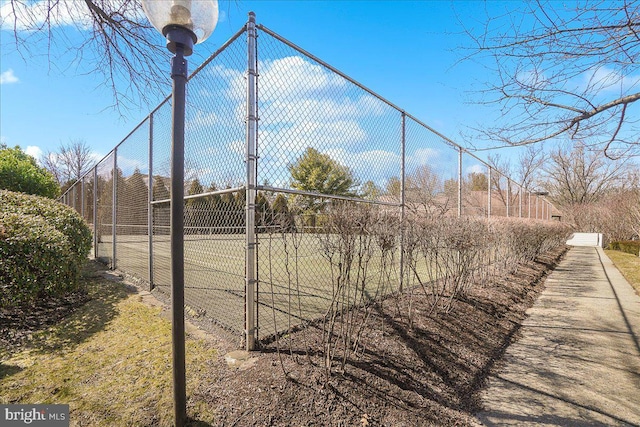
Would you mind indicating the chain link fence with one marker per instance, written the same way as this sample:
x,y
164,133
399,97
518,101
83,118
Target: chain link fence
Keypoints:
x,y
313,159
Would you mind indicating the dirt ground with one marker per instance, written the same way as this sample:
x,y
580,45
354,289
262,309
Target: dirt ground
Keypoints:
x,y
426,373
419,370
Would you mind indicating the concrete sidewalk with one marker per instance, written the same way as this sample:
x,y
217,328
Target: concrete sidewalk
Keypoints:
x,y
577,360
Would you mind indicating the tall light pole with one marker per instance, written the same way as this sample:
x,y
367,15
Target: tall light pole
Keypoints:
x,y
183,23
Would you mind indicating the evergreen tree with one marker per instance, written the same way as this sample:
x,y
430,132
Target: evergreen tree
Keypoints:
x,y
282,217
137,200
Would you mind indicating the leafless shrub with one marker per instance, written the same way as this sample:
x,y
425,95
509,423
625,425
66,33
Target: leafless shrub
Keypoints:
x,y
360,243
444,255
517,241
616,215
290,238
447,255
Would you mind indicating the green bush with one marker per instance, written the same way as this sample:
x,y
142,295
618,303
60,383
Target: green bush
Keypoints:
x,y
43,245
628,246
20,172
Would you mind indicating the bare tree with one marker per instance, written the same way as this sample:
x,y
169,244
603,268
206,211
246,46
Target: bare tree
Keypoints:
x,y
635,212
500,185
72,161
117,42
578,175
530,166
425,192
564,69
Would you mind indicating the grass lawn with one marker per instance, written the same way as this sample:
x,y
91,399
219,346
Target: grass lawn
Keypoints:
x,y
629,266
110,361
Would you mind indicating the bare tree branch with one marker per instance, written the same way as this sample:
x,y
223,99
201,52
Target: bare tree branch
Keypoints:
x,y
563,71
116,42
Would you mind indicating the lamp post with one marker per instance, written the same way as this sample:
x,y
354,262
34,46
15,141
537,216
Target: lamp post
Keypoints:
x,y
183,23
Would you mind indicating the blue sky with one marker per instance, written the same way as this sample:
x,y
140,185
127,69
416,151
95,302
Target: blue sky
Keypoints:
x,y
406,51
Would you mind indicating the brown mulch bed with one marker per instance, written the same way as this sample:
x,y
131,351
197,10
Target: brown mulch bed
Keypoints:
x,y
18,324
425,373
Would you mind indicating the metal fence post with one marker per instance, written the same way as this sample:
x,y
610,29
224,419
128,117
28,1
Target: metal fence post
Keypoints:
x,y
114,209
508,196
459,182
251,144
529,203
549,211
95,212
403,136
149,204
82,196
489,191
519,201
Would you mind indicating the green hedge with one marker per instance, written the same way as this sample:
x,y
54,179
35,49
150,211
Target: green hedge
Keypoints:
x,y
628,246
43,245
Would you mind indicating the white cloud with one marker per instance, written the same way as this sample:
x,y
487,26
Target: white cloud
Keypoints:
x,y
203,119
96,157
374,165
35,151
32,16
222,16
423,156
532,78
128,166
7,77
305,105
606,80
293,76
476,168
302,104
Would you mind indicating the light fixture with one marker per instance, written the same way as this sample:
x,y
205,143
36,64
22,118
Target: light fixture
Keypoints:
x,y
198,16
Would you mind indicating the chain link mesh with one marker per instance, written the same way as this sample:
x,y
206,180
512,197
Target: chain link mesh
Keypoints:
x,y
337,167
475,183
132,226
431,173
87,198
104,226
214,204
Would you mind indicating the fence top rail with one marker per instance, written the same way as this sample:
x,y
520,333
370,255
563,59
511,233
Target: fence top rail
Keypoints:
x,y
324,196
200,195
